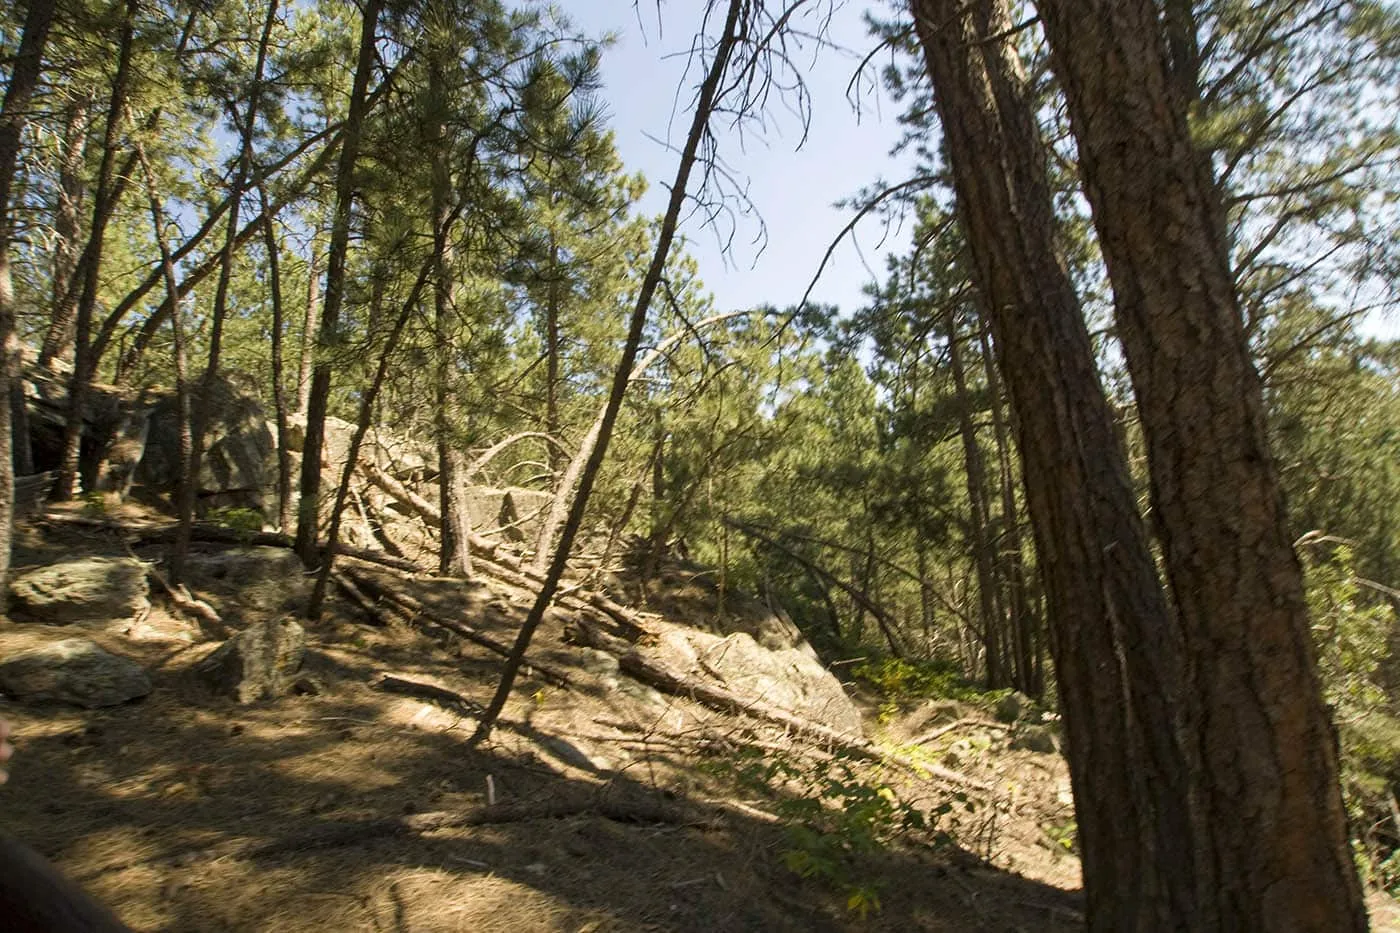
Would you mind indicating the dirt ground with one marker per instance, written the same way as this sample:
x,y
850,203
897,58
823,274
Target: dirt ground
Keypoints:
x,y
596,808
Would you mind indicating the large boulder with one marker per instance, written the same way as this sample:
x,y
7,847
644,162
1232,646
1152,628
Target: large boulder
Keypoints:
x,y
239,466
267,578
514,514
73,670
89,589
790,679
259,663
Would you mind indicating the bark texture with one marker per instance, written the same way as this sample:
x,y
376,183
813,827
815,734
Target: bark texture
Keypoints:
x,y
1115,649
1271,792
14,113
328,337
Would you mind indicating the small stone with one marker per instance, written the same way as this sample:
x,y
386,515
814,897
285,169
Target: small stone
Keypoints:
x,y
1012,707
258,663
1035,739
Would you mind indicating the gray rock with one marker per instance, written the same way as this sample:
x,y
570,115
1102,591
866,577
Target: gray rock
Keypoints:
x,y
267,578
239,467
76,671
85,590
260,662
789,679
513,514
1035,739
597,662
1013,706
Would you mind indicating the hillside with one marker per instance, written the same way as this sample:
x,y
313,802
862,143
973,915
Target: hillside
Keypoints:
x,y
354,802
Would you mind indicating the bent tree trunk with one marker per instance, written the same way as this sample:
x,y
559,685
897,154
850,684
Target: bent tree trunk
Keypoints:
x,y
1265,740
602,429
1115,651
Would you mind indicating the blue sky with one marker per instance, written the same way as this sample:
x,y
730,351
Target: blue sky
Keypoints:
x,y
793,190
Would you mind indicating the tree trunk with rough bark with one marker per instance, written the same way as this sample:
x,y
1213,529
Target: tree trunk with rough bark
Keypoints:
x,y
308,331
1116,651
14,113
454,553
1021,617
1265,741
975,470
203,397
328,337
104,198
279,387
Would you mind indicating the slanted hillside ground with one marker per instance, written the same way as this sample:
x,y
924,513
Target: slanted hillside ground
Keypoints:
x,y
603,804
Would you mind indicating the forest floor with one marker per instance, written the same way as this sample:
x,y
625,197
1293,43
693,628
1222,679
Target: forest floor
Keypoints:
x,y
354,808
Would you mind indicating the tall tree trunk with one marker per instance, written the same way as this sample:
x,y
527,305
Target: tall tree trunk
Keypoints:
x,y
14,113
601,434
308,331
84,366
980,519
184,441
362,424
204,396
1022,618
279,388
1271,795
328,337
72,192
552,349
454,555
1116,651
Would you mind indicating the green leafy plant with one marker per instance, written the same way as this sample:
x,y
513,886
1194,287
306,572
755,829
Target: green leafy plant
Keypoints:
x,y
1063,833
1352,633
94,504
899,680
833,817
245,522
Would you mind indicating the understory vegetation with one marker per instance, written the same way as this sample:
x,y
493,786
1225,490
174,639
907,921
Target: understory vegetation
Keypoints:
x,y
413,217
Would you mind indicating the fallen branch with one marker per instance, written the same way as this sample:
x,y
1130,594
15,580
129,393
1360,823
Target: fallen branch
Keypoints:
x,y
955,726
413,611
422,690
365,604
333,835
424,509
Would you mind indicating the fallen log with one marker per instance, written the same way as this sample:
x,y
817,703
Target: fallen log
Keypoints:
x,y
413,610
425,509
363,602
421,690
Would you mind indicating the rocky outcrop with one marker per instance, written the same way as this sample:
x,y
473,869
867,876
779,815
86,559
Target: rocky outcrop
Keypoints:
x,y
89,589
73,670
789,679
239,466
259,663
513,514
